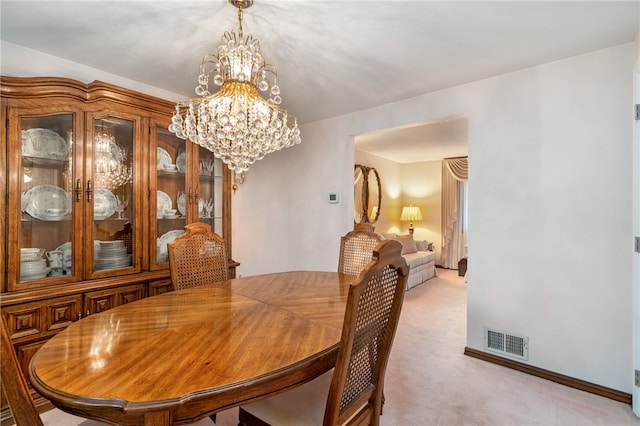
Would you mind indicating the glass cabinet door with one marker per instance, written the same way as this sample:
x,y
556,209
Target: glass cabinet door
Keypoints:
x,y
113,211
172,206
210,190
42,217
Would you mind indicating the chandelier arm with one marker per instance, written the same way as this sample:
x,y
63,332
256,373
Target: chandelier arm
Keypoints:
x,y
213,65
214,61
266,68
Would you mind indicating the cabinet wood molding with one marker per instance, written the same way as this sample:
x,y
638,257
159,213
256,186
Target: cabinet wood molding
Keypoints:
x,y
57,87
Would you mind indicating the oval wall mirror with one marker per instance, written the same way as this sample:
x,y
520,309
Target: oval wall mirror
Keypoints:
x,y
367,194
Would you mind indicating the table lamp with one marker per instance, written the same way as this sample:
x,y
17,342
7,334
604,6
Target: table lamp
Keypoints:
x,y
410,214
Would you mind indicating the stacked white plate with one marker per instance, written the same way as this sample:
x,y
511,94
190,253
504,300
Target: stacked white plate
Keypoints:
x,y
28,254
33,268
111,254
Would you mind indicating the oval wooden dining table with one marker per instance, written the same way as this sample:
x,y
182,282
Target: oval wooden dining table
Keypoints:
x,y
183,355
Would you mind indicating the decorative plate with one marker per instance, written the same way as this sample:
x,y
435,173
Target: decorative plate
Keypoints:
x,y
104,204
163,203
47,202
181,162
65,246
24,201
44,143
166,238
182,204
163,158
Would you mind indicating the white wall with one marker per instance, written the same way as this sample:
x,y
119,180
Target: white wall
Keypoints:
x,y
550,190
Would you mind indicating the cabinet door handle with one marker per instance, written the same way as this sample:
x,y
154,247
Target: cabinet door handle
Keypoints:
x,y
88,313
89,191
190,196
78,191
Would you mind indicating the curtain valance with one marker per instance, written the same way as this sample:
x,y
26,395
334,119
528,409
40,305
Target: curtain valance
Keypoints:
x,y
458,167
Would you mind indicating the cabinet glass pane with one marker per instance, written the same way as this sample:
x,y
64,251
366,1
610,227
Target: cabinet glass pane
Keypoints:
x,y
46,226
210,190
173,198
113,209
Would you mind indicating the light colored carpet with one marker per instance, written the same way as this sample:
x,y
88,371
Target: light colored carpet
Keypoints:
x,y
430,381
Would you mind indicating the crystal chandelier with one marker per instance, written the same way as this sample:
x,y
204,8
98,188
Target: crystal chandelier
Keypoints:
x,y
236,123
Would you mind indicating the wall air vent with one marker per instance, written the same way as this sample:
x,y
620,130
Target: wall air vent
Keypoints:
x,y
506,344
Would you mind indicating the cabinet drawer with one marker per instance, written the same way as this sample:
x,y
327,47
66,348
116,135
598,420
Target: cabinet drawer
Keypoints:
x,y
24,320
41,318
60,313
131,294
100,301
160,287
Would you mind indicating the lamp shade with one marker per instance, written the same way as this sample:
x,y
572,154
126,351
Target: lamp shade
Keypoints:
x,y
411,214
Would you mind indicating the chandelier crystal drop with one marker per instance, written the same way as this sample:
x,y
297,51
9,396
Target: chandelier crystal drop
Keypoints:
x,y
237,123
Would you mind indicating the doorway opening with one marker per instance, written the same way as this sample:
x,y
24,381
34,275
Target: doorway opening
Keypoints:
x,y
409,160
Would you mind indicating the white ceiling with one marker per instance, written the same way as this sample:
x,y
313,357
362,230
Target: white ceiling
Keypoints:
x,y
333,57
445,138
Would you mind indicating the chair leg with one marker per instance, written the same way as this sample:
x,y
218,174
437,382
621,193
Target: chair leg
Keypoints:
x,y
247,419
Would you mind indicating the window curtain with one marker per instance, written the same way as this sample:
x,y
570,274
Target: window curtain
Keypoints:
x,y
455,173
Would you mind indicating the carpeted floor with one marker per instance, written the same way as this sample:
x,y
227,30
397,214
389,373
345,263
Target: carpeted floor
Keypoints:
x,y
430,381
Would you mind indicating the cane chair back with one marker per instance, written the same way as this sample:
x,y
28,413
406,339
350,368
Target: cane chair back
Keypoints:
x,y
197,257
356,248
354,394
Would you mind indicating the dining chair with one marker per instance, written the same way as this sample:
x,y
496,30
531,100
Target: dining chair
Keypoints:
x,y
14,384
356,248
16,391
351,393
197,257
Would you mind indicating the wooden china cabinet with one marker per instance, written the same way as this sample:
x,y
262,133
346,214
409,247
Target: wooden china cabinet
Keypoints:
x,y
95,187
